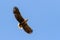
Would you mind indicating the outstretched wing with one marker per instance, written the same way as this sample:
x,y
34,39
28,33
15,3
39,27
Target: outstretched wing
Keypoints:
x,y
27,28
17,15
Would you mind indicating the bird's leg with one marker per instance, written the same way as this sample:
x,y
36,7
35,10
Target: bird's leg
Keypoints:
x,y
20,25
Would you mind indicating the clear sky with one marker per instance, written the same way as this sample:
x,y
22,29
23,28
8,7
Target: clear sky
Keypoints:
x,y
43,15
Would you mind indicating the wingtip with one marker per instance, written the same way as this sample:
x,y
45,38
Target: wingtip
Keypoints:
x,y
30,32
15,9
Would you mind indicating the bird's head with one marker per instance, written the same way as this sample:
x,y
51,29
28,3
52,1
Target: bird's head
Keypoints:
x,y
20,26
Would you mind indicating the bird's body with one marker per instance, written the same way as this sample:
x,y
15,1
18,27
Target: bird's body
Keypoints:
x,y
21,20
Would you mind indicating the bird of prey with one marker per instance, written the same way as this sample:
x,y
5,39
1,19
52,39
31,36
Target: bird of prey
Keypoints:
x,y
22,22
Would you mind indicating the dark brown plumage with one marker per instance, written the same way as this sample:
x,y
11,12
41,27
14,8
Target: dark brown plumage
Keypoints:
x,y
21,20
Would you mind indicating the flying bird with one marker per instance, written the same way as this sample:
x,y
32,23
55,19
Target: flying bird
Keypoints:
x,y
22,22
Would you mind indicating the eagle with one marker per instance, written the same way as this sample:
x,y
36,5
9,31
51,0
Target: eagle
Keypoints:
x,y
22,22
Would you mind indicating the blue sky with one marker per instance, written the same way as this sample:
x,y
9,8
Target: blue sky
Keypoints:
x,y
43,15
